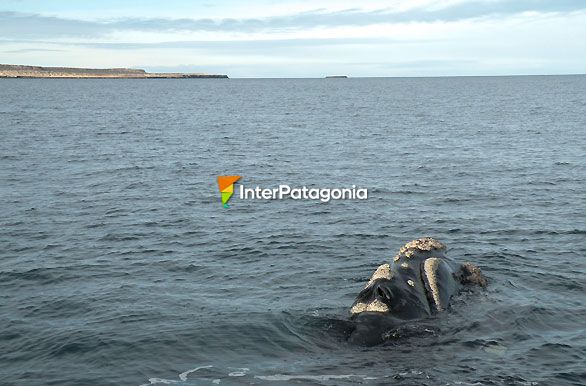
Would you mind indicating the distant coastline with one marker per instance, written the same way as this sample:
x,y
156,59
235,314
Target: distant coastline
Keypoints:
x,y
22,71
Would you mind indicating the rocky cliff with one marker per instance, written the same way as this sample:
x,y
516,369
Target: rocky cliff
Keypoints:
x,y
20,71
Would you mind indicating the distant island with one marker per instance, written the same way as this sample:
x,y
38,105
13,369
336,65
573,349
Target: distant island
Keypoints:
x,y
336,76
19,71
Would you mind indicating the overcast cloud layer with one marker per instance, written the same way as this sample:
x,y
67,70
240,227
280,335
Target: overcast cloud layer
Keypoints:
x,y
300,38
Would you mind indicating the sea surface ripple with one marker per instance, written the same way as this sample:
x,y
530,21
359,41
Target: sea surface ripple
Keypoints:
x,y
118,265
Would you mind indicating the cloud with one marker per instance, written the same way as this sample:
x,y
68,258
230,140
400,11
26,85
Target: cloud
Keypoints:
x,y
244,45
29,50
33,26
28,26
440,37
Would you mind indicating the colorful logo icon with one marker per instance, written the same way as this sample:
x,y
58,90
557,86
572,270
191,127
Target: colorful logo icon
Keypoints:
x,y
226,185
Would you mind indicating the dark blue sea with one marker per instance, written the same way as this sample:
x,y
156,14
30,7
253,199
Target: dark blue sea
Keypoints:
x,y
119,266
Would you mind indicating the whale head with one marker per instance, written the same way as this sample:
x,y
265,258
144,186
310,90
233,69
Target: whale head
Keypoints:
x,y
419,282
393,293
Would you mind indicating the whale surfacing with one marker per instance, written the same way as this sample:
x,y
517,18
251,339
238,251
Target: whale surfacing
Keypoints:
x,y
419,282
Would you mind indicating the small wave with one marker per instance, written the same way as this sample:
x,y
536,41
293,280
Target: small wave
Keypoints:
x,y
326,377
115,237
215,375
183,375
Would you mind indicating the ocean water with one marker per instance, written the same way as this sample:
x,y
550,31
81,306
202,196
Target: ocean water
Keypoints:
x,y
119,266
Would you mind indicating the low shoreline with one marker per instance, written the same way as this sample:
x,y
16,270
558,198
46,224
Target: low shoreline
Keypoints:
x,y
22,71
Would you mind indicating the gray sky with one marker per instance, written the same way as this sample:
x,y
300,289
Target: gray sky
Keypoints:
x,y
298,38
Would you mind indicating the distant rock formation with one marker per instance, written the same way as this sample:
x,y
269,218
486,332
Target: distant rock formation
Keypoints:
x,y
19,71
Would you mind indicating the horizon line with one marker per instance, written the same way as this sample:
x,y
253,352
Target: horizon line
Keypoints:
x,y
324,76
